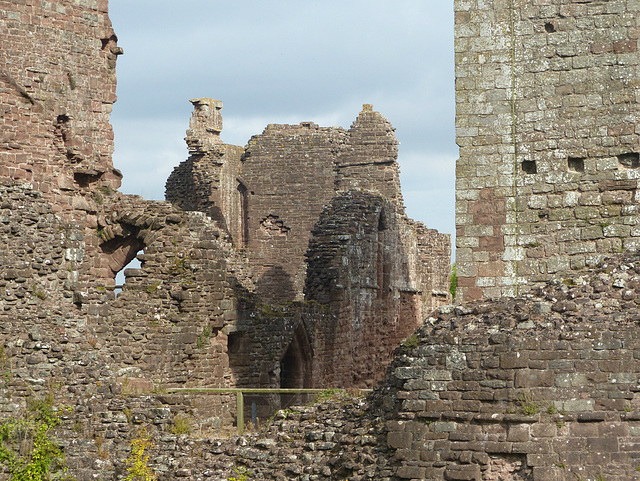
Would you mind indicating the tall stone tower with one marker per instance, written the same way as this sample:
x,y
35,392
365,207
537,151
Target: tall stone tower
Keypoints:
x,y
547,112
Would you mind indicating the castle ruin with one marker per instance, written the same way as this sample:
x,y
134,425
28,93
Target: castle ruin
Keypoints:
x,y
540,387
222,297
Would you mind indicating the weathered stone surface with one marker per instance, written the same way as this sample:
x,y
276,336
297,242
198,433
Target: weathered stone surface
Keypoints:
x,y
548,144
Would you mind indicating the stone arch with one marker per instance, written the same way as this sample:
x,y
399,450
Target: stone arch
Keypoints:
x,y
122,248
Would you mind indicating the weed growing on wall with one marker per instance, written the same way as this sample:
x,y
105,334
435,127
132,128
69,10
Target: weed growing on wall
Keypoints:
x,y
453,282
181,425
27,450
138,461
527,404
412,341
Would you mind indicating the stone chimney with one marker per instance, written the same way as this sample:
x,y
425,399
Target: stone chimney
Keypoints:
x,y
203,135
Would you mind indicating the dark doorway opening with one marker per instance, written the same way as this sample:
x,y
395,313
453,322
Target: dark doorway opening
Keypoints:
x,y
295,367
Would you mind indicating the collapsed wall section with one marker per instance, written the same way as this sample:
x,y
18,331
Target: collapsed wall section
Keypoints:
x,y
546,113
537,388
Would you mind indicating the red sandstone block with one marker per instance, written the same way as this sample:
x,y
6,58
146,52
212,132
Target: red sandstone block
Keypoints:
x,y
595,459
631,444
408,455
533,447
613,429
472,293
518,433
498,447
470,406
514,360
601,47
541,473
584,429
542,459
534,378
569,444
602,444
492,244
399,440
625,46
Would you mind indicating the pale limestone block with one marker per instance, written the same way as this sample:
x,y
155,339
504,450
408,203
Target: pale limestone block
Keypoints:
x,y
513,254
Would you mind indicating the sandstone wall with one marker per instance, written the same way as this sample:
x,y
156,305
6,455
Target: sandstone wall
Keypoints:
x,y
188,316
511,389
288,171
208,181
362,269
536,388
546,114
56,91
368,159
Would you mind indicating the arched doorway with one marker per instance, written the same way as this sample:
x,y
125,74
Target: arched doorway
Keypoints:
x,y
296,367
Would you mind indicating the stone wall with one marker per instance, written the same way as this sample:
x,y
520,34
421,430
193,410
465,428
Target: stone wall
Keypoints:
x,y
208,180
536,388
512,389
546,114
183,318
368,160
288,172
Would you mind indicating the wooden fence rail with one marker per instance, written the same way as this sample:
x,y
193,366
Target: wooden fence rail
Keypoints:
x,y
240,392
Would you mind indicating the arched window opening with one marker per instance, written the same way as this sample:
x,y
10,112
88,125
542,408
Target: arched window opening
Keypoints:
x,y
121,252
296,366
243,228
383,266
121,277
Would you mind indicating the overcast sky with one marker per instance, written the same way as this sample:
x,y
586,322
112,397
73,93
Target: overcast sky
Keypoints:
x,y
288,61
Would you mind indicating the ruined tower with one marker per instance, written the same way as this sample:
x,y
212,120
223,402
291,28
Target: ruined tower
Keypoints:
x,y
547,114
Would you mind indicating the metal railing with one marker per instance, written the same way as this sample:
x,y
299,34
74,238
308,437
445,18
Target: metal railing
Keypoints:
x,y
240,392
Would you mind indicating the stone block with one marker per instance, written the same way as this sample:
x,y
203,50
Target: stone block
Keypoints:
x,y
528,378
411,472
469,472
578,405
514,360
399,440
